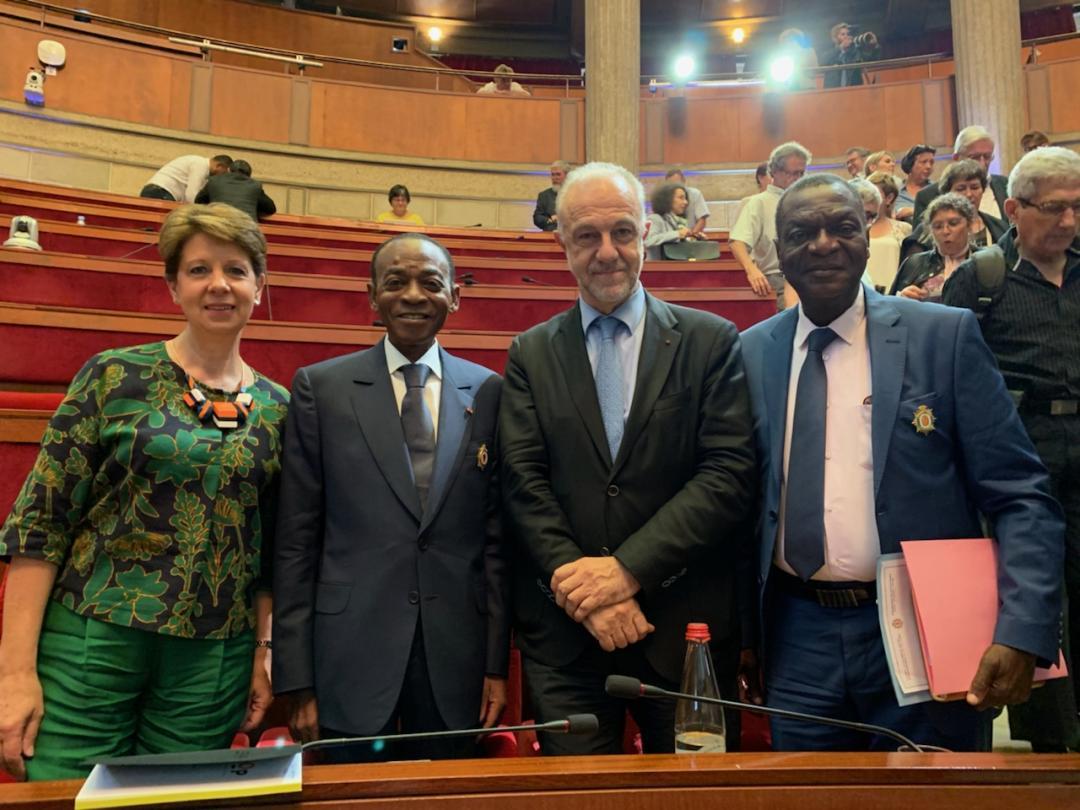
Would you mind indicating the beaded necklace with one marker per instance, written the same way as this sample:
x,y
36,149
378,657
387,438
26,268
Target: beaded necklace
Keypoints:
x,y
224,414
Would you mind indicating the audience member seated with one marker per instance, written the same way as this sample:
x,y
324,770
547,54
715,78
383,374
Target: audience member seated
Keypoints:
x,y
398,214
855,159
697,212
922,276
972,143
236,188
879,162
503,84
918,165
667,222
969,179
141,539
849,50
182,178
1033,140
544,216
886,234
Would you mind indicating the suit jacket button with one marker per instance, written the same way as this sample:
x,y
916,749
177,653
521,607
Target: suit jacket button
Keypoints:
x,y
414,597
423,544
613,490
605,551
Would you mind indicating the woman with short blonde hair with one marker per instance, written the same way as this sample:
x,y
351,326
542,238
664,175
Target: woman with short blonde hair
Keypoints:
x,y
137,608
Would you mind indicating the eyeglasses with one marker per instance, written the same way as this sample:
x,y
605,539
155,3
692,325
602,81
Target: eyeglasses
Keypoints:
x,y
980,156
1052,208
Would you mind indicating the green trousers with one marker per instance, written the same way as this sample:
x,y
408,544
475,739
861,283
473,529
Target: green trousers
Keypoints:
x,y
113,691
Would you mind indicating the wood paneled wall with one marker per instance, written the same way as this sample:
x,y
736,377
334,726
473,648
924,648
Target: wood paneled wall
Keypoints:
x,y
297,31
139,85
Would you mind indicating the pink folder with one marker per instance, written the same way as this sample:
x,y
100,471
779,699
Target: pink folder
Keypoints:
x,y
954,588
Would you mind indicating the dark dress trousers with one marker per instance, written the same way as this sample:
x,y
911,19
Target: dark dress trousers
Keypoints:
x,y
361,567
672,506
238,191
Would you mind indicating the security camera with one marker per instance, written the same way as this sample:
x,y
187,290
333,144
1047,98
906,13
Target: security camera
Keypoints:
x,y
34,89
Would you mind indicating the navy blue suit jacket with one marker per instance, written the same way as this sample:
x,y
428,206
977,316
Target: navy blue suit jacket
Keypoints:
x,y
360,562
978,459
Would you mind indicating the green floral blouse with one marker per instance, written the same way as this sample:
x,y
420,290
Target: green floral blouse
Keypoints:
x,y
156,521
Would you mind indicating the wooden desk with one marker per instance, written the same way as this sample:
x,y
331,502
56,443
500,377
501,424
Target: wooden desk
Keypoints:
x,y
731,782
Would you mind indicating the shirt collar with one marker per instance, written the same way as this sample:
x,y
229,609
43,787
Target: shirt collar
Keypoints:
x,y
630,311
395,359
846,324
773,189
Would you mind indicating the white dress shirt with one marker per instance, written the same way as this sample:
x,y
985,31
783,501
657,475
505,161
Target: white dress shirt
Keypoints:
x,y
432,388
627,343
183,177
852,546
756,228
988,204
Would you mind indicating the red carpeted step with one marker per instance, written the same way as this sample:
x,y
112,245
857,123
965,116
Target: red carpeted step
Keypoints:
x,y
136,287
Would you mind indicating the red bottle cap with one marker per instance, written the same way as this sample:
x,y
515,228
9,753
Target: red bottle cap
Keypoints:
x,y
697,631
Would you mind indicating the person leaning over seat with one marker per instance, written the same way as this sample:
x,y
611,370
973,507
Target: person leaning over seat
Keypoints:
x,y
137,612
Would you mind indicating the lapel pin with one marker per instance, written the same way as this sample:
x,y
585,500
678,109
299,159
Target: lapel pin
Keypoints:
x,y
482,457
923,420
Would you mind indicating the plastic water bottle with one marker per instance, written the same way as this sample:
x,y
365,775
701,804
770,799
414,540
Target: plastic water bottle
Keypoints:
x,y
699,727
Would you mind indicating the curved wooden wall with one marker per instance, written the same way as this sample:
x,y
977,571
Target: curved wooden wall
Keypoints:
x,y
266,26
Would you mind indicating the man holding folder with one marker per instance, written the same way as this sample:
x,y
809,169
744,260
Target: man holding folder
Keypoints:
x,y
880,420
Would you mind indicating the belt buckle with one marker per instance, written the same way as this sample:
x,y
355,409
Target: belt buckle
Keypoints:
x,y
1063,407
839,598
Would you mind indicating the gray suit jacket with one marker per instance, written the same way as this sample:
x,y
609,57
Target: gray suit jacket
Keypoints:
x,y
359,563
674,506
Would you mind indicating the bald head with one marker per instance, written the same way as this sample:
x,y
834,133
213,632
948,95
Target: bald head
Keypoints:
x,y
811,182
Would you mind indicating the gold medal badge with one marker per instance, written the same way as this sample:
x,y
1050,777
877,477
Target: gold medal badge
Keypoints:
x,y
923,421
482,457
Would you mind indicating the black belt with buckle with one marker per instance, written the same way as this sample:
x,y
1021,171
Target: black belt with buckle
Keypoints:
x,y
1051,407
826,594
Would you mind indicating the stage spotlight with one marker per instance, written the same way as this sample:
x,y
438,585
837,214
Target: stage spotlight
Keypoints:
x,y
782,69
684,67
434,35
738,36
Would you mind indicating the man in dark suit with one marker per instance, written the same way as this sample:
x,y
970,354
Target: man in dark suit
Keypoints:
x,y
236,188
389,577
972,143
919,437
628,472
544,216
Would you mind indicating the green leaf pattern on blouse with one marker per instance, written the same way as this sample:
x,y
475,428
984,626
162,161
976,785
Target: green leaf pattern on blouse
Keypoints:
x,y
155,520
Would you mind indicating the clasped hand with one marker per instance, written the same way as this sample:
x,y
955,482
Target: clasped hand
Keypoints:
x,y
588,583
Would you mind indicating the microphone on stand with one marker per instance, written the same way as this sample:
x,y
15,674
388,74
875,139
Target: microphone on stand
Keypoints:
x,y
531,280
573,724
622,686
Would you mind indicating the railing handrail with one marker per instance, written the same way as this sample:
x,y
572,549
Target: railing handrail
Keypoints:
x,y
302,59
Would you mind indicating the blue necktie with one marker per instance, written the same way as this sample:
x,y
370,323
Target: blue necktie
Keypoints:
x,y
804,512
418,427
609,383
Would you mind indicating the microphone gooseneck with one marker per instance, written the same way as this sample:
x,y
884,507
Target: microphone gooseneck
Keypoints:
x,y
573,724
622,686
